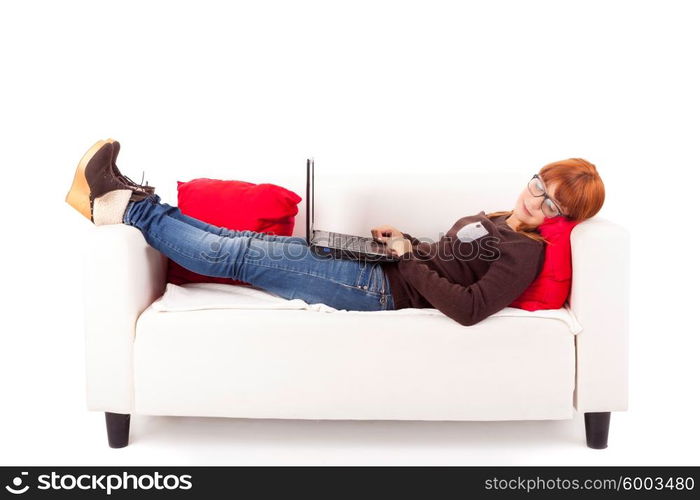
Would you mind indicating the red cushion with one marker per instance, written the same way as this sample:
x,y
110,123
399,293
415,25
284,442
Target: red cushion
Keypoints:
x,y
239,205
551,287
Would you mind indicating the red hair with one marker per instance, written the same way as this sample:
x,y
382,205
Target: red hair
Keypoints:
x,y
580,191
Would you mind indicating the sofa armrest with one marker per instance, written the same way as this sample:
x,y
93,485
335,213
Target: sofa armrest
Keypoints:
x,y
600,254
122,276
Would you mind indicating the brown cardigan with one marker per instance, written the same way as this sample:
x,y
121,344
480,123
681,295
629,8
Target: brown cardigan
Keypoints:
x,y
479,267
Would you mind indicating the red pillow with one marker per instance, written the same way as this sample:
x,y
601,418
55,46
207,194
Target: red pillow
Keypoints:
x,y
239,205
551,287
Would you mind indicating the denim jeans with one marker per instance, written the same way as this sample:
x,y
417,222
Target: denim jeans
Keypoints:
x,y
282,265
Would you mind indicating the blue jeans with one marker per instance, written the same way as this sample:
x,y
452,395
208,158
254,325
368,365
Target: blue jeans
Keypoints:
x,y
283,265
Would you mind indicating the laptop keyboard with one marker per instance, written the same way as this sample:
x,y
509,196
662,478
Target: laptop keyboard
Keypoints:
x,y
353,243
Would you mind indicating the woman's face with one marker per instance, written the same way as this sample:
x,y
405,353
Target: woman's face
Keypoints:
x,y
528,208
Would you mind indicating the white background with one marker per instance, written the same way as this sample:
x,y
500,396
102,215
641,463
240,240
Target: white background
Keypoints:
x,y
247,90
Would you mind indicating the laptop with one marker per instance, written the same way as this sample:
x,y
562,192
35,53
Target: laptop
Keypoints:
x,y
339,245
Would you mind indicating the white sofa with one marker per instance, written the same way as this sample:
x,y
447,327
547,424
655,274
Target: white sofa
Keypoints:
x,y
301,364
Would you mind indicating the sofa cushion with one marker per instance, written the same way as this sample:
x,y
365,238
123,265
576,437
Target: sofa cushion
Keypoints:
x,y
552,286
239,205
203,296
257,363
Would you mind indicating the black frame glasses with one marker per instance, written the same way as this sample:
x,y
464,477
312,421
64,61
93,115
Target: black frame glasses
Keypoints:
x,y
546,197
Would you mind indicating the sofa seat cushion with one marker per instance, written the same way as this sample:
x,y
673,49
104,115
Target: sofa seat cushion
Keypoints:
x,y
296,363
200,296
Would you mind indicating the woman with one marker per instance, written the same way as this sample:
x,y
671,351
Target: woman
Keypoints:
x,y
482,264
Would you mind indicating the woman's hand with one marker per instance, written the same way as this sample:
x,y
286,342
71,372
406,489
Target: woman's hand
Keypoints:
x,y
400,246
381,233
393,238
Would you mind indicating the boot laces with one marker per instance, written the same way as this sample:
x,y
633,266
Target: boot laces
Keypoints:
x,y
143,173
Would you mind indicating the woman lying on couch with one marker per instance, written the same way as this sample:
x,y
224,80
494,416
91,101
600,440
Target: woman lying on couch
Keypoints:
x,y
482,264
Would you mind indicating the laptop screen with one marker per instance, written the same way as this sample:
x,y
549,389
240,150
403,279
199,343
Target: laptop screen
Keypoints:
x,y
313,196
309,199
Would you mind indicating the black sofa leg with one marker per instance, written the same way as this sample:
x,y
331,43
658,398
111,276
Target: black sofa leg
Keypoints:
x,y
597,425
117,429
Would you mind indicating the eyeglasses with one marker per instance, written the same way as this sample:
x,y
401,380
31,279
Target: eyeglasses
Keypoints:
x,y
536,188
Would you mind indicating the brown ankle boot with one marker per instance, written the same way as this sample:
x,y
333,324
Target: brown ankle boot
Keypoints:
x,y
122,177
96,192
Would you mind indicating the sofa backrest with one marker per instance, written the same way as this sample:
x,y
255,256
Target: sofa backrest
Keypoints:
x,y
423,204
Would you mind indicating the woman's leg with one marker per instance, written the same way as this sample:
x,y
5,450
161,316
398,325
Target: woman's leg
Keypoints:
x,y
222,231
283,267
